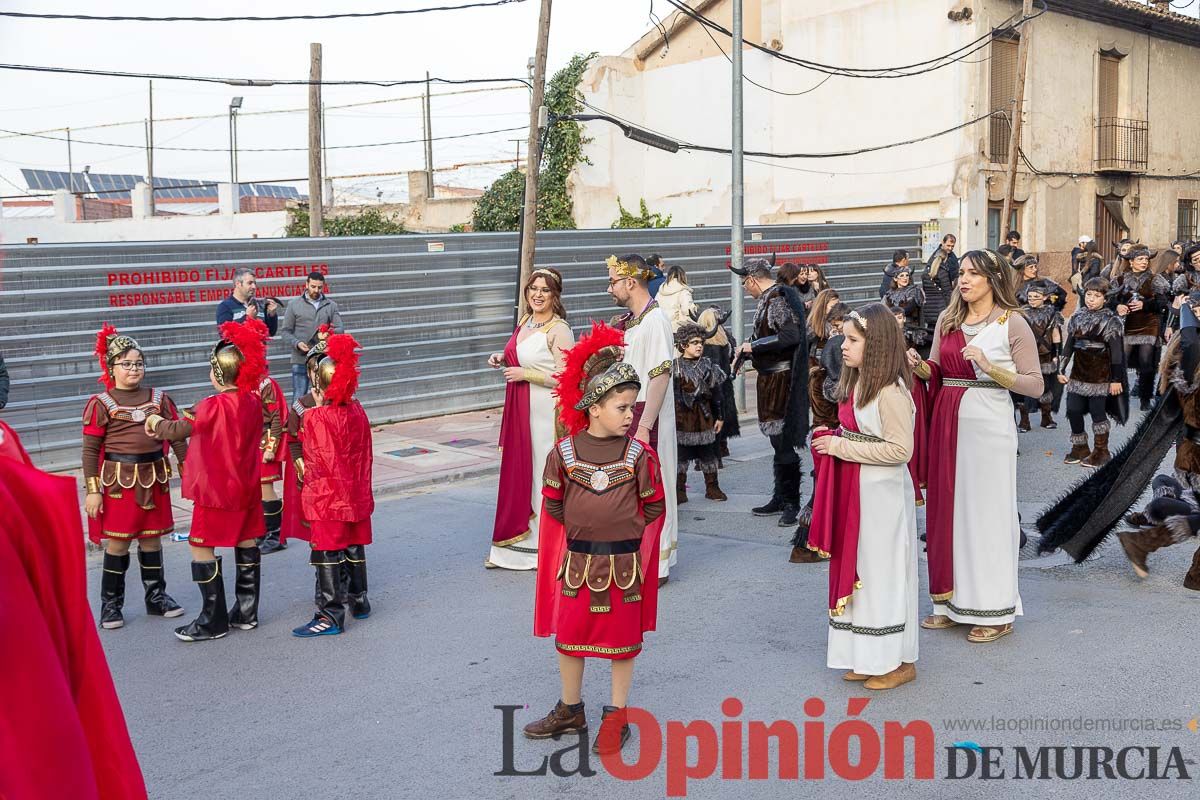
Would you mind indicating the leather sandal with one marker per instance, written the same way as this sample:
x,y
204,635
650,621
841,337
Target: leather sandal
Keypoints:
x,y
937,622
982,634
905,673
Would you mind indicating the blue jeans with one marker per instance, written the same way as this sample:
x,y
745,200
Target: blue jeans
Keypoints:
x,y
300,384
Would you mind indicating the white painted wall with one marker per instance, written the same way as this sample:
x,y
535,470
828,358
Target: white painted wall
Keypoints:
x,y
263,224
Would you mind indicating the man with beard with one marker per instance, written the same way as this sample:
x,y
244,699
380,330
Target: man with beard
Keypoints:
x,y
779,352
650,348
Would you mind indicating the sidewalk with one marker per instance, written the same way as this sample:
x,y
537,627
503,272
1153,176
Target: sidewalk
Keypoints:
x,y
419,453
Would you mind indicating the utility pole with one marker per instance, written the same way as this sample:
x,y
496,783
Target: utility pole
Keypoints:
x,y
150,150
533,157
1018,111
737,301
316,212
428,141
70,166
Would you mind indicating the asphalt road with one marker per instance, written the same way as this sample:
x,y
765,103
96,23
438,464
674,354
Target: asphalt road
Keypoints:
x,y
403,704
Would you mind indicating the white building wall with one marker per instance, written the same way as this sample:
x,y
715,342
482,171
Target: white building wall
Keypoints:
x,y
262,224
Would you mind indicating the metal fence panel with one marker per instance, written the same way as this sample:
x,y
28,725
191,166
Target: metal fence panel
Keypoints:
x,y
427,308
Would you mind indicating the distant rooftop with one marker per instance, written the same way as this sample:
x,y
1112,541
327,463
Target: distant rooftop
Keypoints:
x,y
117,187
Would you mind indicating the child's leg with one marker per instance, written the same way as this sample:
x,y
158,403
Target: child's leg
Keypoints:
x,y
268,492
1076,404
154,580
570,671
622,679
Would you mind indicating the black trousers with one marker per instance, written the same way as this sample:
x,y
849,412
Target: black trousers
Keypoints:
x,y
1078,405
784,453
1052,388
1143,359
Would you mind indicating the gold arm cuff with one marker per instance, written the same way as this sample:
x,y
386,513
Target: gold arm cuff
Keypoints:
x,y
534,376
923,371
1003,377
661,369
299,464
93,485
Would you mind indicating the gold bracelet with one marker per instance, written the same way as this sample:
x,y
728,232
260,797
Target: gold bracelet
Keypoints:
x,y
93,485
534,376
1002,376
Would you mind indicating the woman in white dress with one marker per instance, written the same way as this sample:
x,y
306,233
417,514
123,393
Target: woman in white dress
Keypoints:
x,y
982,350
527,432
864,514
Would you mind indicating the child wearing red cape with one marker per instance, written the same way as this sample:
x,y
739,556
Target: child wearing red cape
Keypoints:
x,y
602,515
336,499
222,479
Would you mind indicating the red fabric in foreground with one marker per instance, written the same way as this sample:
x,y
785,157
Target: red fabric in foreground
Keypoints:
x,y
836,519
514,506
943,440
62,731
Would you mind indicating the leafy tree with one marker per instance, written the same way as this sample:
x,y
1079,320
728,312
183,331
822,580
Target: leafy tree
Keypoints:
x,y
368,222
500,207
644,220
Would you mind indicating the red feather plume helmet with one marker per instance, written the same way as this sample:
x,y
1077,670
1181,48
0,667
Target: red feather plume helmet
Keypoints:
x,y
109,346
342,350
240,357
593,368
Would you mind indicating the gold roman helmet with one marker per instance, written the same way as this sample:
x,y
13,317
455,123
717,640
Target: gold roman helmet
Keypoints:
x,y
226,361
115,346
319,365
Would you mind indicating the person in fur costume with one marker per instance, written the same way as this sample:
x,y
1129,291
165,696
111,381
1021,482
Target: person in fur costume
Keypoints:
x,y
1095,345
906,296
1172,517
1142,297
1046,322
698,411
719,349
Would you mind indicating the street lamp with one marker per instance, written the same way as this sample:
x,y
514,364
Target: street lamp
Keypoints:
x,y
234,105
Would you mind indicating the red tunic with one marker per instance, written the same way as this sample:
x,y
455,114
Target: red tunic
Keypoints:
x,y
221,474
337,497
62,732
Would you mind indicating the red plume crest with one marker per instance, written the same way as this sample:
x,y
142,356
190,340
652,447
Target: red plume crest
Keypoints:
x,y
343,349
250,338
572,380
102,354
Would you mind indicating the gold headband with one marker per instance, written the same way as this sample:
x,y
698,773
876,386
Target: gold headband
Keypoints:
x,y
545,272
854,315
626,270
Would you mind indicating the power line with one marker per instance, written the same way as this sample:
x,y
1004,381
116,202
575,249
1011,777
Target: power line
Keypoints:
x,y
250,81
261,149
286,18
750,80
904,71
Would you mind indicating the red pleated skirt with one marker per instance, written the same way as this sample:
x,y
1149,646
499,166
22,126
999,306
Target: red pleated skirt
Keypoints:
x,y
335,535
123,518
614,634
218,527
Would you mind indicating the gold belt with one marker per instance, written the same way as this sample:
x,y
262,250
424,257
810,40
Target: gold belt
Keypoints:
x,y
966,384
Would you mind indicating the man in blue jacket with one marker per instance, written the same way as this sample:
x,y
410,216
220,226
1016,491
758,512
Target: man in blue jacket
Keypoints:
x,y
242,304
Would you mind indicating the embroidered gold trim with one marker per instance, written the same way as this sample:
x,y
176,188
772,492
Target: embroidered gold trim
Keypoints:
x,y
138,535
600,609
646,494
553,484
518,538
632,577
567,576
659,370
939,598
968,384
608,651
633,598
855,436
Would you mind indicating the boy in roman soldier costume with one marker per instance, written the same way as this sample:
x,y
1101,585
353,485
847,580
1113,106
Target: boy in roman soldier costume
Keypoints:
x,y
293,524
1097,379
1046,323
270,468
334,467
779,350
127,474
698,411
1141,297
222,480
603,514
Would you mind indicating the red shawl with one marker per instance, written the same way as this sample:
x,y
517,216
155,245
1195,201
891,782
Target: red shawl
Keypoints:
x,y
552,545
62,732
514,505
943,440
835,519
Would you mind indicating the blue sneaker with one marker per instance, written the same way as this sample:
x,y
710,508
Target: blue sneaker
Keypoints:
x,y
319,626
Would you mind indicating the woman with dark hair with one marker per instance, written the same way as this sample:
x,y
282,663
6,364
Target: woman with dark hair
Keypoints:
x,y
527,433
657,277
941,273
1141,296
907,297
802,280
982,350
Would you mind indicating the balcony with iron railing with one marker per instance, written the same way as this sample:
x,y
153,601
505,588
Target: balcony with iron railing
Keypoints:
x,y
1122,145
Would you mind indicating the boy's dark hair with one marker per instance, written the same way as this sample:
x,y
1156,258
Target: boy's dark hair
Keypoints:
x,y
899,256
1097,285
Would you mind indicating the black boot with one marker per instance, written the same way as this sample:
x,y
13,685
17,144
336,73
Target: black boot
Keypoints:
x,y
112,591
791,495
244,615
1145,389
213,622
273,519
158,602
356,566
330,618
775,504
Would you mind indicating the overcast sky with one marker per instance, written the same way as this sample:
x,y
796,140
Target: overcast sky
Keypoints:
x,y
491,42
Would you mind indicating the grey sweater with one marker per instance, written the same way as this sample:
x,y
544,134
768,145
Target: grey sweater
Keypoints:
x,y
301,320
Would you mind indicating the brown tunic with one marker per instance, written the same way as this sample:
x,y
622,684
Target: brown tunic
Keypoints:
x,y
111,422
294,423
